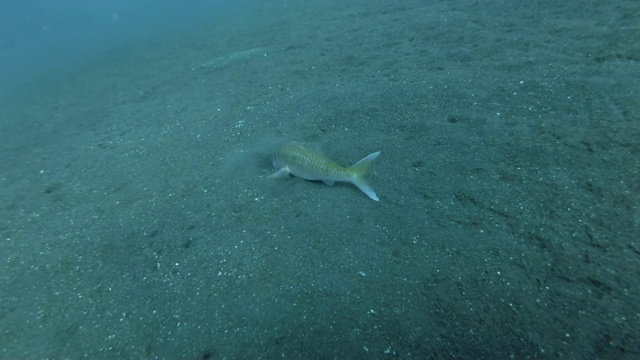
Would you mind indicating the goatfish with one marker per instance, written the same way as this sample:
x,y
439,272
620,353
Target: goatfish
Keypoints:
x,y
295,159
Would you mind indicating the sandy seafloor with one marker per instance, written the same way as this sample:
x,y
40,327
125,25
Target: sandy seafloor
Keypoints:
x,y
136,220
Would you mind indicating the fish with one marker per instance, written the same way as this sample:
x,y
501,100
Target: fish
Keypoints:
x,y
295,159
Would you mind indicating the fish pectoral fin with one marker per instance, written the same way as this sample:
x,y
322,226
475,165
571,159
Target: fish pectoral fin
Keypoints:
x,y
280,173
328,182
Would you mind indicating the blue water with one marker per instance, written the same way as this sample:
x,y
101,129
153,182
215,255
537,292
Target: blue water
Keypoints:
x,y
40,37
137,219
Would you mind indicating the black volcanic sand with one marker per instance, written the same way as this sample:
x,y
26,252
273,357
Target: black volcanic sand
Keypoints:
x,y
136,219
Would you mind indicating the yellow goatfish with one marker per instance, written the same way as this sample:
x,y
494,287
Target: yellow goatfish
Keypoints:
x,y
295,159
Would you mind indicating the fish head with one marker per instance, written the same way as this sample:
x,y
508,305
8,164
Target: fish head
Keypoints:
x,y
277,160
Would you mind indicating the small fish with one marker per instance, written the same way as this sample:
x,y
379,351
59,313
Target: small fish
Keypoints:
x,y
295,159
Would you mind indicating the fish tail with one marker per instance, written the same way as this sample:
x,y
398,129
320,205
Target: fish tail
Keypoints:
x,y
360,170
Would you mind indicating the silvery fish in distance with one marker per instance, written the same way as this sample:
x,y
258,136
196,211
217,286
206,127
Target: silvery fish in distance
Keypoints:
x,y
295,159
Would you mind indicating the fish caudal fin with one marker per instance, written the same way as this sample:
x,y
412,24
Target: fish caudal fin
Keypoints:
x,y
359,170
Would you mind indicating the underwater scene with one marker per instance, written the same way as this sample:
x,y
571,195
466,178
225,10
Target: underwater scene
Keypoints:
x,y
319,179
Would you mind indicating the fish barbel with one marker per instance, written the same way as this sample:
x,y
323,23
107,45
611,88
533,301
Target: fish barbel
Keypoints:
x,y
295,159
